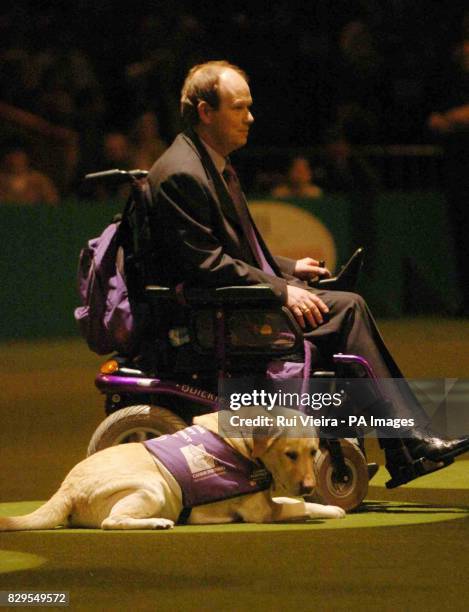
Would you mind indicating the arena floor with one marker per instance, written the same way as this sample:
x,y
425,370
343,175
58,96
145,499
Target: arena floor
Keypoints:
x,y
405,549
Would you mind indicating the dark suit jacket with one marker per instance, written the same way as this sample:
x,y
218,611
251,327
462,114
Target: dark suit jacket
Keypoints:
x,y
196,230
199,240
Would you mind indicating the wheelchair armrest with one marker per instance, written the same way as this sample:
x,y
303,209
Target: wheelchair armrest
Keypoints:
x,y
252,295
256,321
261,295
115,176
242,306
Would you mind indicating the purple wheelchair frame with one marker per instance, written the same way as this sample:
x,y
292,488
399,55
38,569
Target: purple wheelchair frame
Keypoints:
x,y
117,383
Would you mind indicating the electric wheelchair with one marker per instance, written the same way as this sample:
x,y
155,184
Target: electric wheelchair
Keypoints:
x,y
194,338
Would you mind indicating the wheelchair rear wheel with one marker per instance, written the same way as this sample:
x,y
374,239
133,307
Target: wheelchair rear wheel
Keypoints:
x,y
134,424
347,491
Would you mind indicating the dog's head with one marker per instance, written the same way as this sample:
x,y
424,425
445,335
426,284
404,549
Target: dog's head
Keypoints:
x,y
290,460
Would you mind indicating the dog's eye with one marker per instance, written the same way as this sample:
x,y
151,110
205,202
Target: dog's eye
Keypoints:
x,y
314,452
293,455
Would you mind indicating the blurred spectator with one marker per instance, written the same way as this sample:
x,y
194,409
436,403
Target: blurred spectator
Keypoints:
x,y
345,171
55,102
171,42
147,142
358,125
19,183
451,124
62,72
116,154
266,180
364,66
358,80
299,183
91,123
15,85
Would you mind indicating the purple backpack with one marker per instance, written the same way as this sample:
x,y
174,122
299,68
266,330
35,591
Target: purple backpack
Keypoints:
x,y
105,317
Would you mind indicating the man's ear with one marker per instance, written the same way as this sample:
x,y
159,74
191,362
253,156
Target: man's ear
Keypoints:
x,y
205,112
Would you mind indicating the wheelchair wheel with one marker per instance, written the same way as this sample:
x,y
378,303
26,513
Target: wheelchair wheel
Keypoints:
x,y
330,490
134,424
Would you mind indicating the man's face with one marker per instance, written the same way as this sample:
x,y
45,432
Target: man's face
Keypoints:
x,y
228,125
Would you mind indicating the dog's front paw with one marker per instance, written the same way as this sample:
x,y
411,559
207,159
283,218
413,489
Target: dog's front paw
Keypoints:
x,y
162,523
321,511
334,512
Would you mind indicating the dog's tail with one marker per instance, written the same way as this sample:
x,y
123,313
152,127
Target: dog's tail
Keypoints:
x,y
53,513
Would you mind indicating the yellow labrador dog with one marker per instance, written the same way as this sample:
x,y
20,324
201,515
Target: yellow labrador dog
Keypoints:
x,y
124,487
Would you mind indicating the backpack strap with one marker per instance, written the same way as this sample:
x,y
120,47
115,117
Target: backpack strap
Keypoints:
x,y
135,237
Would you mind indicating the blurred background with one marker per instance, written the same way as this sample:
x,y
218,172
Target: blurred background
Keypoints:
x,y
360,138
362,121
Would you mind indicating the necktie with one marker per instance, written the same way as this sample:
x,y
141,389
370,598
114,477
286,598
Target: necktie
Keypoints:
x,y
236,193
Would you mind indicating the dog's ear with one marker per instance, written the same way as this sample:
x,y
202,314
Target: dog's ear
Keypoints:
x,y
262,440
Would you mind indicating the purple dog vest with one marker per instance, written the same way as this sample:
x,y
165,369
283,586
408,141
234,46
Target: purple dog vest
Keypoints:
x,y
207,468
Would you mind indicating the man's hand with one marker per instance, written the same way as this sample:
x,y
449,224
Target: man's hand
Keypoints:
x,y
306,306
309,268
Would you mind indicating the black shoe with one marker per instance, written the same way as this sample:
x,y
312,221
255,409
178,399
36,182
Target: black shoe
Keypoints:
x,y
431,447
422,454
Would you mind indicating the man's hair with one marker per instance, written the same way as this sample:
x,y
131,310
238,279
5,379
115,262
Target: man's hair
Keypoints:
x,y
201,84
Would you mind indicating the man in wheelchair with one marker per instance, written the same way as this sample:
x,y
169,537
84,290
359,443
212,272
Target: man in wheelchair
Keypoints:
x,y
204,236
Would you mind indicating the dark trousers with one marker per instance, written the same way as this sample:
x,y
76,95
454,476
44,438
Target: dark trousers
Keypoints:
x,y
351,329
